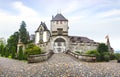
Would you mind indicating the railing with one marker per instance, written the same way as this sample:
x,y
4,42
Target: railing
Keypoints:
x,y
39,57
83,57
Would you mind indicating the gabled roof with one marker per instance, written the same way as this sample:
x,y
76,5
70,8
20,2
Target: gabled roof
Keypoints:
x,y
80,39
44,26
59,17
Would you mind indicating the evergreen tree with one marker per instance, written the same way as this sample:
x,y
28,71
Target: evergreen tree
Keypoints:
x,y
24,35
20,53
6,52
1,49
3,52
13,52
13,41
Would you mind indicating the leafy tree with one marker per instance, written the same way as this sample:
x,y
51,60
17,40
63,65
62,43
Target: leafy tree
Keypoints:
x,y
20,53
13,41
24,35
102,48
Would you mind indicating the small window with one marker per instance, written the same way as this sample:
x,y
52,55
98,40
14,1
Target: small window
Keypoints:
x,y
60,31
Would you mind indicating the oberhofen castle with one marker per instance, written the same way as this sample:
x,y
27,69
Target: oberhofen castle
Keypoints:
x,y
58,40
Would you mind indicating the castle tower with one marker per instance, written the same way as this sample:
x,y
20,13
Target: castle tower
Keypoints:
x,y
59,33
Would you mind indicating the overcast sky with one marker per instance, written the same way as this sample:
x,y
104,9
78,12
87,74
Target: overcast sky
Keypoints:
x,y
90,18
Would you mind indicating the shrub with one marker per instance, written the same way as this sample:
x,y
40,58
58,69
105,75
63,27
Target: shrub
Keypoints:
x,y
94,52
102,48
112,56
32,50
117,56
106,57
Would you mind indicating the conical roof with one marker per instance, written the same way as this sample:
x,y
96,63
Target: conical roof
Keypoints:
x,y
59,17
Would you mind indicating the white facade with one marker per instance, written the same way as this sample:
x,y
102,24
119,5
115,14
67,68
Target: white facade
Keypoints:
x,y
57,38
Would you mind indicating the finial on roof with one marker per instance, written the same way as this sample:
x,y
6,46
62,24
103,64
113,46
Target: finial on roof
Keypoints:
x,y
59,11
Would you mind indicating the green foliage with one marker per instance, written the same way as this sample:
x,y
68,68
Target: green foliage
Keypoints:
x,y
20,53
94,52
102,48
112,56
13,52
106,57
2,49
6,52
24,35
13,41
117,56
32,50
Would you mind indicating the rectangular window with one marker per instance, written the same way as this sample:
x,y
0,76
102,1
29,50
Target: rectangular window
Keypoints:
x,y
60,31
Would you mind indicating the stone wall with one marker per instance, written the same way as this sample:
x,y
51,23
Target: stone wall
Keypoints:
x,y
39,57
84,57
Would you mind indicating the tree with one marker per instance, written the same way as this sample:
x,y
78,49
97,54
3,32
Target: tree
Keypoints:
x,y
24,35
13,41
2,49
102,48
13,52
20,53
6,52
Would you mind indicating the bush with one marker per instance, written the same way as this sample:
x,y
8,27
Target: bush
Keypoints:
x,y
94,52
112,56
106,57
32,50
117,56
102,48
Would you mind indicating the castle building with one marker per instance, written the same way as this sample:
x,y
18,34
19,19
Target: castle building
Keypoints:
x,y
58,40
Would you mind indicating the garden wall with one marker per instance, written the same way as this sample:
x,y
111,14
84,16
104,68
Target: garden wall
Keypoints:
x,y
87,58
39,57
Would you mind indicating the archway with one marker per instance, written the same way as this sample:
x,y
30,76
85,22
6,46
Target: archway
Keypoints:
x,y
59,45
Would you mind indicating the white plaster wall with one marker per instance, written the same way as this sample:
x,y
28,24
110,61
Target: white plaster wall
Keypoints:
x,y
45,36
64,25
37,37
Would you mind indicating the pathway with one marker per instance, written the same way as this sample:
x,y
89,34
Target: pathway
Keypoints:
x,y
59,65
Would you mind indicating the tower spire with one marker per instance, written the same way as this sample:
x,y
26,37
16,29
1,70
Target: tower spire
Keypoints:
x,y
108,44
